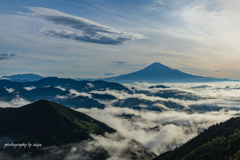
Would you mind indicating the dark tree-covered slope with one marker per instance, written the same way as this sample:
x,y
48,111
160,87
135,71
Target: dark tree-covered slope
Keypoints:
x,y
48,123
220,148
210,135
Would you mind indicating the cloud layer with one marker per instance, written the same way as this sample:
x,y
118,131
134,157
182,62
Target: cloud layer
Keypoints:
x,y
163,131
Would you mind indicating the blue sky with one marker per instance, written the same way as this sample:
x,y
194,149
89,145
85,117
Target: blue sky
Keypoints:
x,y
95,39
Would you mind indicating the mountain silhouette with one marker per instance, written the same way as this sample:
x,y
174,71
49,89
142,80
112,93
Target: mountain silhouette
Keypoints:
x,y
67,83
48,123
158,72
23,77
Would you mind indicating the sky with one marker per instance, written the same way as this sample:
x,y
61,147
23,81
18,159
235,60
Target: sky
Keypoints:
x,y
96,39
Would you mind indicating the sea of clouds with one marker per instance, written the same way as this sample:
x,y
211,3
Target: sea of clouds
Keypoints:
x,y
158,131
176,127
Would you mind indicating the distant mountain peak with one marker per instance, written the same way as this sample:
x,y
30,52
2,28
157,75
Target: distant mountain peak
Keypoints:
x,y
158,73
157,65
154,72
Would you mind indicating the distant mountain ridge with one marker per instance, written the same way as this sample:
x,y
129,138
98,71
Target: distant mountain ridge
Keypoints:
x,y
66,83
86,94
154,73
51,88
29,77
158,73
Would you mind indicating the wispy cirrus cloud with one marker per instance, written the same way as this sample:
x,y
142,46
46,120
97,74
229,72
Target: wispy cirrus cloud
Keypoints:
x,y
87,31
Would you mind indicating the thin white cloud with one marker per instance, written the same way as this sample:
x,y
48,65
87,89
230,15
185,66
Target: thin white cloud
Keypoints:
x,y
90,85
61,97
10,90
76,93
60,87
29,88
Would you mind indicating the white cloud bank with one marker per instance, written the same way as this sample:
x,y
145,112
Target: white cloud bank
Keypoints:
x,y
14,103
175,127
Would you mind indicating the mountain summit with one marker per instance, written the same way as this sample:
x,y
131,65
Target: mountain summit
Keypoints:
x,y
158,72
